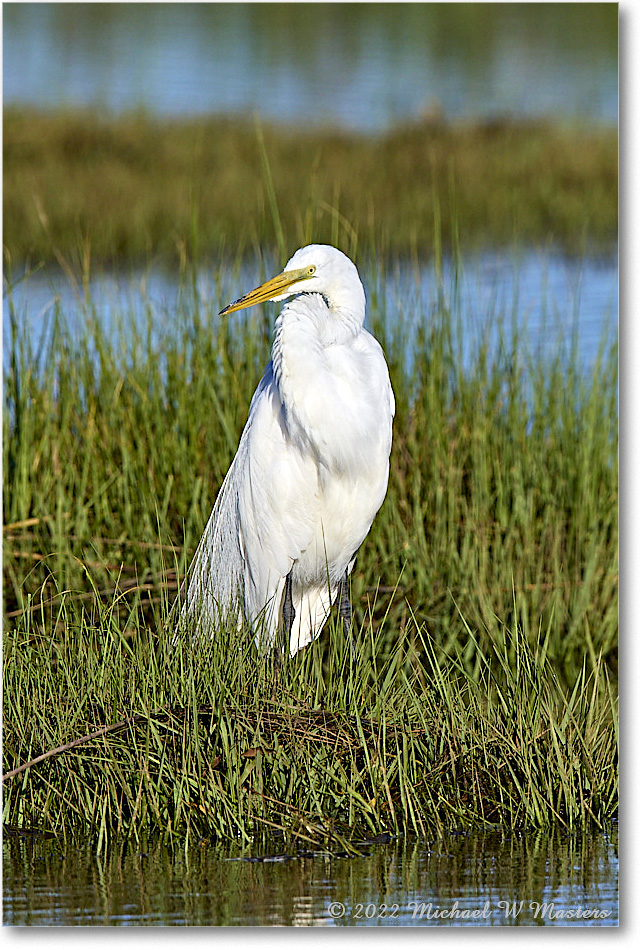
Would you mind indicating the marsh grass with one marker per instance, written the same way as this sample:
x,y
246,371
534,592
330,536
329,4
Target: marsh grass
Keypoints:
x,y
341,750
485,595
134,188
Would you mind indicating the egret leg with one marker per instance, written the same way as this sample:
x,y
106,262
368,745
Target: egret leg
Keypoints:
x,y
345,611
289,613
282,640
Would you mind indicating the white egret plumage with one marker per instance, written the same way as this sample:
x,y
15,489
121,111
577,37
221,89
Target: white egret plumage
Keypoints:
x,y
311,470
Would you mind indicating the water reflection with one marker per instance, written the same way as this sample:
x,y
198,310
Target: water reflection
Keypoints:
x,y
481,879
363,66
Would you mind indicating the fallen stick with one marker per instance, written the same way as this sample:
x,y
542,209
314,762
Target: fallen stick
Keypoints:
x,y
112,727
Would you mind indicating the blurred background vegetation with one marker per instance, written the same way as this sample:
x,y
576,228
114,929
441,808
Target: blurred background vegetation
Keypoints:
x,y
135,188
136,135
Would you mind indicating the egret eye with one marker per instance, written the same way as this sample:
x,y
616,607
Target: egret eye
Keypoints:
x,y
311,270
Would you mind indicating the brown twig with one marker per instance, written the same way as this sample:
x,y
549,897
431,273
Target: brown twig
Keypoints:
x,y
326,729
112,727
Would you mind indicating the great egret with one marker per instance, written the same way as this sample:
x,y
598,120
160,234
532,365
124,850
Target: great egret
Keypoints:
x,y
311,470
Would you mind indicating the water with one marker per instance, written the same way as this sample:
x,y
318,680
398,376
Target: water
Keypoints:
x,y
558,302
555,301
481,879
360,66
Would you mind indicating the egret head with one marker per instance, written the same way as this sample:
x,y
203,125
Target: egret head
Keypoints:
x,y
315,269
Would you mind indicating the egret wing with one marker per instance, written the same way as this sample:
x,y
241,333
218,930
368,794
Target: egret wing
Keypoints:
x,y
261,522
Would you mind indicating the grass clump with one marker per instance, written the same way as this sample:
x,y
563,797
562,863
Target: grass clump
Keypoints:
x,y
142,187
485,595
340,750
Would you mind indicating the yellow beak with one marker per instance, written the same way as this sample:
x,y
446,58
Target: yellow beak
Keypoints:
x,y
270,289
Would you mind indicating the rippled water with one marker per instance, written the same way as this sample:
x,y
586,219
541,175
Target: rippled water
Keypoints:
x,y
557,302
361,66
481,879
